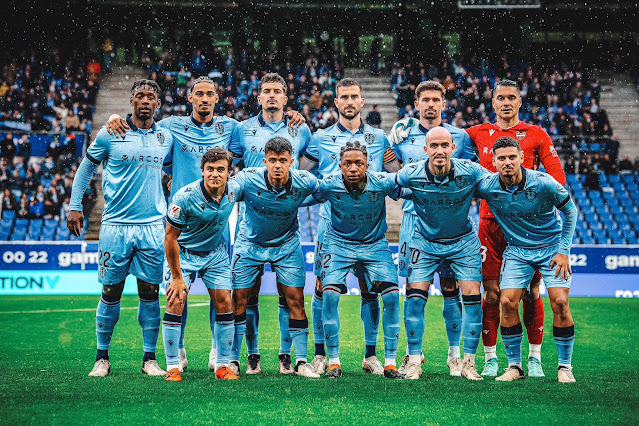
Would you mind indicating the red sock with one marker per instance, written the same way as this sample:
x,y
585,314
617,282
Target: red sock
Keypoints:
x,y
534,321
490,323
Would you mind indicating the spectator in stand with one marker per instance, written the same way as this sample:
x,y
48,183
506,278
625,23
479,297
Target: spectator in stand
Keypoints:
x,y
24,148
374,118
625,165
52,204
9,201
8,147
36,208
94,70
22,212
72,122
592,180
569,166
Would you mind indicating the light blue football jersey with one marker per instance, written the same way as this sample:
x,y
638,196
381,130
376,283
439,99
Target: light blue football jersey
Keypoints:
x,y
528,215
358,216
411,149
132,175
191,141
270,218
202,219
250,137
443,205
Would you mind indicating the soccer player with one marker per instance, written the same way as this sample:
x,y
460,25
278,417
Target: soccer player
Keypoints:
x,y
194,135
324,151
194,243
269,233
538,150
132,232
430,101
354,239
525,204
443,190
248,145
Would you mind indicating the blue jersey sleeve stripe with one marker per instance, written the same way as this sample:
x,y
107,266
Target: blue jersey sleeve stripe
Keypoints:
x,y
563,203
92,159
168,163
173,223
310,157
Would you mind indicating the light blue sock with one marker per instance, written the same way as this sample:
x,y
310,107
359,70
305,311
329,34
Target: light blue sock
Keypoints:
x,y
565,340
286,339
391,321
224,336
369,311
471,325
149,320
415,304
171,326
512,336
330,315
212,321
183,327
240,331
299,335
452,313
318,327
106,316
252,328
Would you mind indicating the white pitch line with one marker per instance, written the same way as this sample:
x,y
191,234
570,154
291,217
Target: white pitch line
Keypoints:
x,y
47,311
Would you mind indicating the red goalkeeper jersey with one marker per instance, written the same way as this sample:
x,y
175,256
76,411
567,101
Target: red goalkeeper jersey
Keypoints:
x,y
535,143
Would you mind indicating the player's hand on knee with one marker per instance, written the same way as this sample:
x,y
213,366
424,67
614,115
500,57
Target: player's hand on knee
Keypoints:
x,y
401,129
116,126
318,284
177,291
295,119
75,222
562,262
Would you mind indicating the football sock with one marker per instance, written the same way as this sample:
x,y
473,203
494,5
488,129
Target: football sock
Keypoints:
x,y
334,361
299,335
414,319
106,316
417,359
149,320
452,313
389,361
534,351
183,328
224,336
330,315
453,352
371,350
564,339
318,329
171,325
369,312
490,323
490,352
391,321
252,328
471,324
240,331
534,321
102,354
285,336
469,357
212,321
512,337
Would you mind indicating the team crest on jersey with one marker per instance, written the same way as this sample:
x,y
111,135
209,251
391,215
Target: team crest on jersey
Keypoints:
x,y
490,132
296,194
369,138
461,181
219,128
374,197
231,197
160,137
553,151
530,194
174,211
293,132
520,135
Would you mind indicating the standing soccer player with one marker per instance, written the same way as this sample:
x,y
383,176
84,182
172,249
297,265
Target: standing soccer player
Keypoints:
x,y
194,243
354,239
324,151
248,145
132,232
443,190
430,102
269,233
525,204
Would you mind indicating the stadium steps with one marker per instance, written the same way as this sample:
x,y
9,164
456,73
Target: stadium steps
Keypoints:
x,y
377,91
113,98
620,99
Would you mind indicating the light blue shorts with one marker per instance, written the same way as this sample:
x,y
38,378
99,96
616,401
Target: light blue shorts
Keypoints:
x,y
287,261
520,264
405,234
213,267
130,249
463,255
340,257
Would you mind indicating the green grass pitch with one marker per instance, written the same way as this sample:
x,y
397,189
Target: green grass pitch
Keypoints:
x,y
46,356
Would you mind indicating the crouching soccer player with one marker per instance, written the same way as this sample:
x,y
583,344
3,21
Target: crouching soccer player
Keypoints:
x,y
132,230
355,239
525,204
269,233
443,190
194,243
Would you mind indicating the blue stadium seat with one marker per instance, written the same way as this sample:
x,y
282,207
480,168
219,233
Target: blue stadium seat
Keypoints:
x,y
36,223
62,234
591,218
6,223
627,179
595,147
80,238
9,214
50,223
34,234
48,234
19,234
572,178
594,194
587,239
618,186
4,234
614,179
587,209
618,240
22,224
